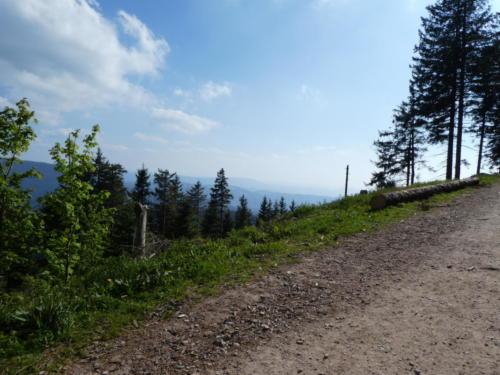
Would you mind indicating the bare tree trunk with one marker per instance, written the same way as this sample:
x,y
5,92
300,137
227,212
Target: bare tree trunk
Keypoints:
x,y
481,143
141,217
461,105
451,135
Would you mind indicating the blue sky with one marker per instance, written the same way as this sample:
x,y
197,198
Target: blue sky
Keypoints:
x,y
283,91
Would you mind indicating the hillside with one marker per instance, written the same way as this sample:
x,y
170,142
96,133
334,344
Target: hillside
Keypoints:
x,y
251,190
404,298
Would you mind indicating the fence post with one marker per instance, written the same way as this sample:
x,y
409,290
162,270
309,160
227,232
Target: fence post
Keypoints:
x,y
346,179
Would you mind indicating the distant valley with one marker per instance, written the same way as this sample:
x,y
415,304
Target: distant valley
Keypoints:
x,y
253,190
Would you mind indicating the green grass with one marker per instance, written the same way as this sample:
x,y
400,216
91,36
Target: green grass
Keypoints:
x,y
60,321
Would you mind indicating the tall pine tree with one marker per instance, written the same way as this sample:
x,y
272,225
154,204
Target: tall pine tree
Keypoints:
x,y
443,69
215,223
243,216
142,188
485,99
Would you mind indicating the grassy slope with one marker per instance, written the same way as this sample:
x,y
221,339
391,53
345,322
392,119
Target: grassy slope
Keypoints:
x,y
121,291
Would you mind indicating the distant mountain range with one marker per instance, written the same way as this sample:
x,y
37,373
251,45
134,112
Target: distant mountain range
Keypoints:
x,y
252,189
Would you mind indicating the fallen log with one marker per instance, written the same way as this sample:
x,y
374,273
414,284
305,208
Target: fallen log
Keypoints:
x,y
383,200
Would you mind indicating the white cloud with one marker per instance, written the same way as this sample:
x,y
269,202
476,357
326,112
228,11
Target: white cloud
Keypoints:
x,y
182,93
150,138
211,90
183,122
64,55
57,131
4,102
311,94
113,147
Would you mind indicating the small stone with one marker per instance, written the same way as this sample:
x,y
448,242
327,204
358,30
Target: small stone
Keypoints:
x,y
134,322
326,356
219,342
449,266
265,327
300,342
417,372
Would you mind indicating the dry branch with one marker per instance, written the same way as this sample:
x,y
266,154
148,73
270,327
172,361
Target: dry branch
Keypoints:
x,y
383,200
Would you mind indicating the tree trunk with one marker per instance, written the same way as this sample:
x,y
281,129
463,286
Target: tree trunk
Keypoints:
x,y
413,157
461,94
383,200
141,216
481,142
451,134
461,91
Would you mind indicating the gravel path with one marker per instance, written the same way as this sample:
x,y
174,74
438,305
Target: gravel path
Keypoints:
x,y
419,297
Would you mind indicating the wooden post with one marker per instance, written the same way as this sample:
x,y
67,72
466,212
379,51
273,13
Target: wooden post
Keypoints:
x,y
346,179
141,217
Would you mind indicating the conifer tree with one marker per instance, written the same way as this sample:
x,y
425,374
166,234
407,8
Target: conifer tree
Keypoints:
x,y
168,193
265,210
196,198
220,197
387,163
275,210
442,69
282,206
293,206
142,188
186,221
485,99
108,177
408,138
243,216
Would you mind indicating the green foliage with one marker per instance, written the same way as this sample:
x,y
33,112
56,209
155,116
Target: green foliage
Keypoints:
x,y
168,193
142,188
19,227
117,290
243,216
77,224
265,211
216,223
108,177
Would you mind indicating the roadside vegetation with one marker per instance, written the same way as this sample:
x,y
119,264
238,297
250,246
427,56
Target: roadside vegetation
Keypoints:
x,y
64,284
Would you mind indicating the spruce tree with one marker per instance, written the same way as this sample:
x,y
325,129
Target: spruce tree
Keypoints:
x,y
282,206
485,100
169,197
196,197
142,188
108,177
442,69
265,211
220,197
243,216
387,163
293,206
275,210
408,138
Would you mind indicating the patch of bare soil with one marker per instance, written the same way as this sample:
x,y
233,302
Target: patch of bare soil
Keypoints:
x,y
419,297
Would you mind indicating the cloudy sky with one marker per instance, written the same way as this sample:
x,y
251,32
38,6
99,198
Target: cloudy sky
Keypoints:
x,y
283,91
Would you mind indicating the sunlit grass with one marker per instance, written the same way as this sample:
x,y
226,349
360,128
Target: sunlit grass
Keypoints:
x,y
100,304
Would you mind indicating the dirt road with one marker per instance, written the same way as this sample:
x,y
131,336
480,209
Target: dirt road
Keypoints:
x,y
420,297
